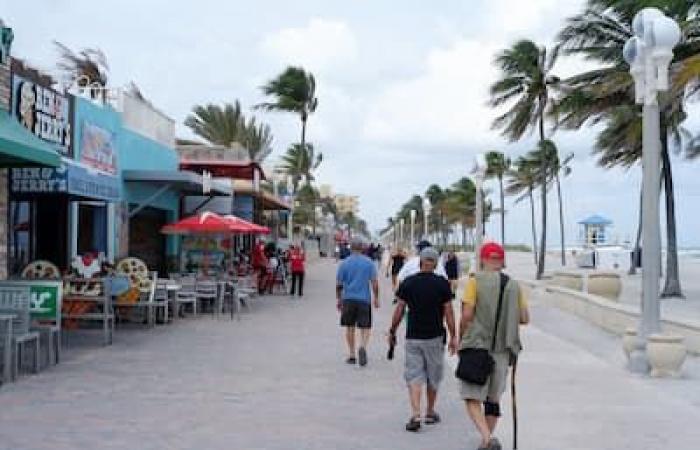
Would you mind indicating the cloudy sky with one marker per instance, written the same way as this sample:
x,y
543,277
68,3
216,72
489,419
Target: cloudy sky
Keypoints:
x,y
402,86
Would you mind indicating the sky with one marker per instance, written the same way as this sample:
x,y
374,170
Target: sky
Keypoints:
x,y
402,88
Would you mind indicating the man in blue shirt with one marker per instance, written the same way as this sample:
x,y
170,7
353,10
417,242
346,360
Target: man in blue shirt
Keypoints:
x,y
355,276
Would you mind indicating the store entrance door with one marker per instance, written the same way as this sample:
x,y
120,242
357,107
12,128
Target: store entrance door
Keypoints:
x,y
145,239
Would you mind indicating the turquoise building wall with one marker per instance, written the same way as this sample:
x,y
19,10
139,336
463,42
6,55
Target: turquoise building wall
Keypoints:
x,y
141,153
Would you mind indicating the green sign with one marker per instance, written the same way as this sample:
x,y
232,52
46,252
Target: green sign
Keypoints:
x,y
45,301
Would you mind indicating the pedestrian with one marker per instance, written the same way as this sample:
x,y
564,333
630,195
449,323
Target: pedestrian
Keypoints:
x,y
452,270
355,275
396,263
260,263
486,326
296,263
429,300
412,265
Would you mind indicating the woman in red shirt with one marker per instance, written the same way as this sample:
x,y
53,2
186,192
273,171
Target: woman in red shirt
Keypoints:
x,y
296,264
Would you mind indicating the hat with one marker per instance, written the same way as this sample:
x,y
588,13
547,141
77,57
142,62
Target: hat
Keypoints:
x,y
429,253
423,244
491,250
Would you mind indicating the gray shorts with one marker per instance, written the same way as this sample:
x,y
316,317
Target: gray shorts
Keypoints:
x,y
494,387
424,363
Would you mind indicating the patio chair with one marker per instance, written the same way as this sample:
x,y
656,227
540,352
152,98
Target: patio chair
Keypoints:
x,y
187,295
161,300
16,301
208,293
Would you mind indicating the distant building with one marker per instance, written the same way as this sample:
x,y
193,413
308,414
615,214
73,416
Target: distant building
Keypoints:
x,y
325,191
347,203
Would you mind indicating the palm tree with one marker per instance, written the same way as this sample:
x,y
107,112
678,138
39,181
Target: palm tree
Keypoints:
x,y
522,179
226,125
606,94
300,162
86,67
257,140
497,164
294,91
436,196
526,84
547,149
461,205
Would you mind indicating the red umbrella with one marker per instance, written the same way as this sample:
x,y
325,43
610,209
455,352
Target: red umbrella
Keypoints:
x,y
243,226
204,223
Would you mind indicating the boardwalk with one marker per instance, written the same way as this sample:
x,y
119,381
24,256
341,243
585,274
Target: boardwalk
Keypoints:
x,y
276,380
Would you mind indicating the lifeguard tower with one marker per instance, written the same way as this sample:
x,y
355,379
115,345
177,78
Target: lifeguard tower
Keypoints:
x,y
595,231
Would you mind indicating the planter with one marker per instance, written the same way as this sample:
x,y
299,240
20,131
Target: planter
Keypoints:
x,y
666,354
607,285
568,280
628,341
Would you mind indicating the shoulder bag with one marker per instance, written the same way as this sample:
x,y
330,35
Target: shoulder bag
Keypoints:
x,y
476,364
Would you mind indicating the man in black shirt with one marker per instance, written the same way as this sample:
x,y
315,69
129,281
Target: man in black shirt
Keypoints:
x,y
428,297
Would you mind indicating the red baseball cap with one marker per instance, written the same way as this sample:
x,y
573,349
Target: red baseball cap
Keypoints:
x,y
491,250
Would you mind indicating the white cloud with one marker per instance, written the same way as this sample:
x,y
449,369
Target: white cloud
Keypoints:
x,y
445,104
320,46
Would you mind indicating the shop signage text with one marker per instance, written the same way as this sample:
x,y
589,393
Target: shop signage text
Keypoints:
x,y
69,178
43,111
97,148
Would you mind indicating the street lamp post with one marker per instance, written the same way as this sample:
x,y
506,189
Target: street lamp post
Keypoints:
x,y
649,54
401,224
479,174
413,227
426,214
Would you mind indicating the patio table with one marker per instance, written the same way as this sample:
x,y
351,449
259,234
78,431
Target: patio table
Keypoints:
x,y
6,323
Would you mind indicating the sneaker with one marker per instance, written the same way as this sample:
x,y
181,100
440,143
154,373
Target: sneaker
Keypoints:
x,y
432,419
494,444
351,360
413,424
362,353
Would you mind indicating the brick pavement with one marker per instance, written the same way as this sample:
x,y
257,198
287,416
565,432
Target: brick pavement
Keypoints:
x,y
276,380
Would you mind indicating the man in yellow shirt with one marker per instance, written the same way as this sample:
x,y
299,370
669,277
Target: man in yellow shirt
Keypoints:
x,y
486,325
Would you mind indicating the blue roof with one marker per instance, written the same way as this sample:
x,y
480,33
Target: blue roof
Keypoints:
x,y
596,220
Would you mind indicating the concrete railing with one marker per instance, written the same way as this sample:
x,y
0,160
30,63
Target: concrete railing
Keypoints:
x,y
610,315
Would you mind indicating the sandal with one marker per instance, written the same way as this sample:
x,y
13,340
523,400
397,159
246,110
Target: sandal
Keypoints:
x,y
351,360
494,444
432,418
413,424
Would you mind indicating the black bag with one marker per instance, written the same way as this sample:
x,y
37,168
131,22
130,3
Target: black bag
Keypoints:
x,y
476,364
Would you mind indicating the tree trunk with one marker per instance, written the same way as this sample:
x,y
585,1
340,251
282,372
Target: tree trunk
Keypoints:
x,y
561,221
543,173
503,212
638,240
303,132
533,225
672,286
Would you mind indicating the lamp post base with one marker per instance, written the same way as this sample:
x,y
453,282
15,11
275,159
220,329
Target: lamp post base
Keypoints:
x,y
639,360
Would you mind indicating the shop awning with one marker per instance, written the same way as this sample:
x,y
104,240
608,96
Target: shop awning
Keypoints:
x,y
238,170
269,201
70,178
184,180
20,148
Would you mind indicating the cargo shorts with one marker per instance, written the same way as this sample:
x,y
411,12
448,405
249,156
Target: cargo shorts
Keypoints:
x,y
425,360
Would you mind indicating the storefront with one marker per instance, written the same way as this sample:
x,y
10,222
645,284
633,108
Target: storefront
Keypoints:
x,y
58,213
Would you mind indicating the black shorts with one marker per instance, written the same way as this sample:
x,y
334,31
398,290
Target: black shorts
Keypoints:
x,y
356,314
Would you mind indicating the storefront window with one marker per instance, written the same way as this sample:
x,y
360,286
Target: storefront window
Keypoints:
x,y
38,230
92,228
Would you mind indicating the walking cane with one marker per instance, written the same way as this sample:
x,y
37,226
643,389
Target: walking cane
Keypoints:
x,y
515,405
